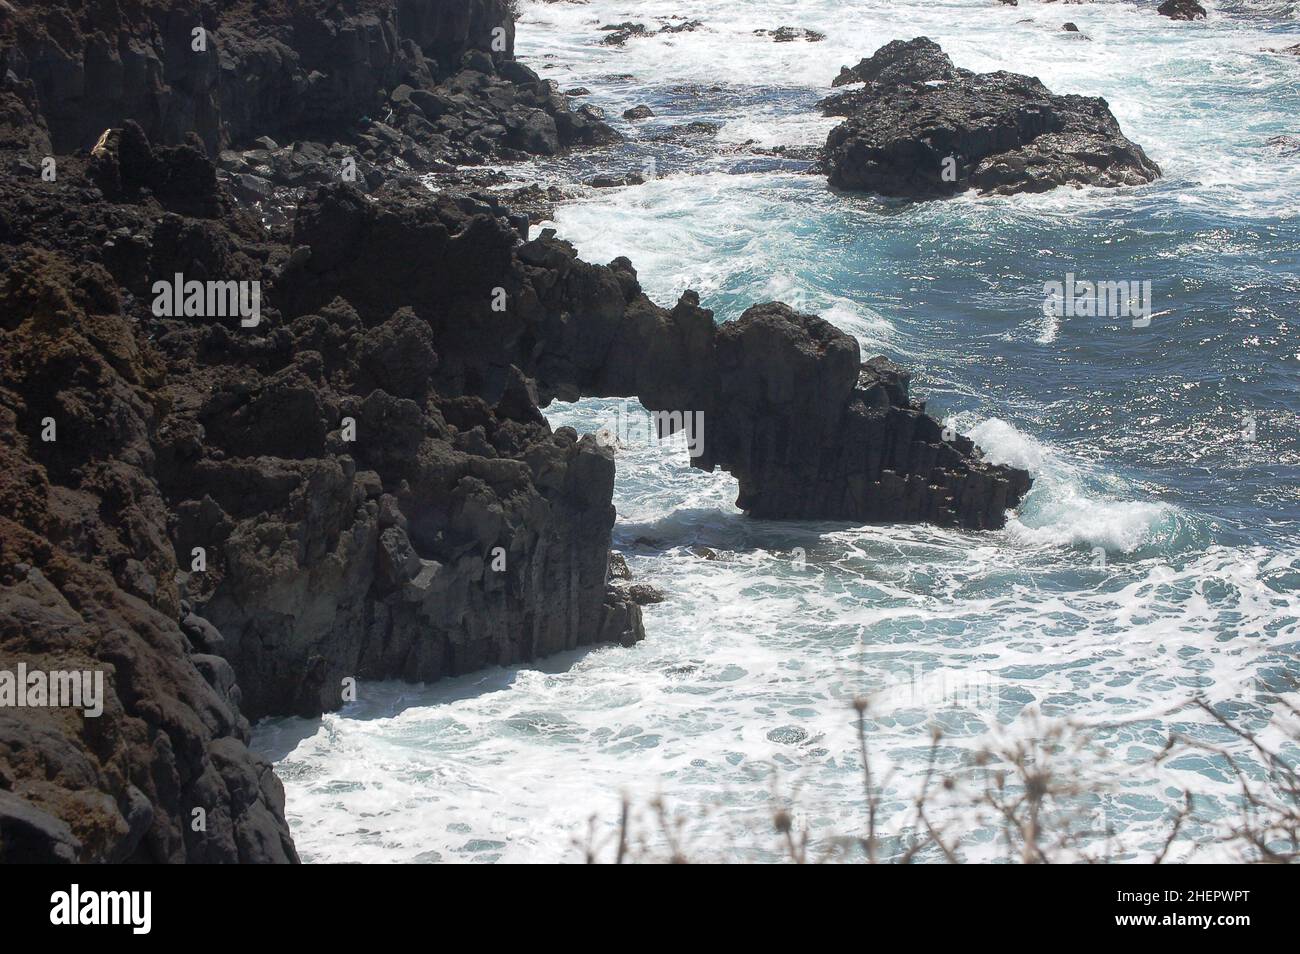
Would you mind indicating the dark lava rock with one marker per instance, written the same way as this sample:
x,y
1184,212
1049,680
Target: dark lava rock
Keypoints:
x,y
453,529
274,69
608,181
325,556
788,406
87,582
618,569
788,34
643,594
422,85
618,34
920,127
638,112
32,836
1181,10
684,26
234,520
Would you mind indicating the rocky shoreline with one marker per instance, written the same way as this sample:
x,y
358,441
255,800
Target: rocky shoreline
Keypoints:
x,y
241,513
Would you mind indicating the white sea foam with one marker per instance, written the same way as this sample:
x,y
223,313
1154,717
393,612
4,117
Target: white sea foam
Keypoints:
x,y
1074,518
743,686
1065,507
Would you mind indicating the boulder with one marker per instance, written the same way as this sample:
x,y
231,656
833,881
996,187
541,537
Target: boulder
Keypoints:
x,y
920,128
1181,10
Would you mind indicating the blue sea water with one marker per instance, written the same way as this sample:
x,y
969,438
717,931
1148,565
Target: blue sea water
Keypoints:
x,y
1157,557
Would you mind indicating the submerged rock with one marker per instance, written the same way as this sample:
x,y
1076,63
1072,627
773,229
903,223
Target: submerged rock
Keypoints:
x,y
614,181
921,128
788,34
617,34
1181,10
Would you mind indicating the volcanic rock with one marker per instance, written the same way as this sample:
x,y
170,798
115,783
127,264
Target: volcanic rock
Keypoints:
x,y
788,34
922,128
1181,10
239,519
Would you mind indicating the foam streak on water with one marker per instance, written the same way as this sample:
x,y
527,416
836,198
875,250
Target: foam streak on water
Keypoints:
x,y
1156,558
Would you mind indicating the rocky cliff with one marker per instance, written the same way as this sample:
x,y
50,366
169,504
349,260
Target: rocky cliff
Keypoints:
x,y
231,70
239,511
88,569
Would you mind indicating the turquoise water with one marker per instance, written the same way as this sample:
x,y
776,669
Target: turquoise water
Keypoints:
x,y
1157,557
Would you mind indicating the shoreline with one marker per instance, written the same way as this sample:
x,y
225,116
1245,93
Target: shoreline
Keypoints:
x,y
254,520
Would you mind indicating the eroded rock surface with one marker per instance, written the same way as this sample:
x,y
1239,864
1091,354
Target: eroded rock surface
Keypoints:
x,y
920,127
290,95
1181,10
238,514
278,68
787,405
87,583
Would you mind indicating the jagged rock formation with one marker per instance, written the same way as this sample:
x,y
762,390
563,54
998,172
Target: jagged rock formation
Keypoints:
x,y
325,558
921,128
240,512
87,583
283,68
787,405
367,90
485,111
1181,10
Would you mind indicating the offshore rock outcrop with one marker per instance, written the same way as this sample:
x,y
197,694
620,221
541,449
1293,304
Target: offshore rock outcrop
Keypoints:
x,y
1181,10
921,128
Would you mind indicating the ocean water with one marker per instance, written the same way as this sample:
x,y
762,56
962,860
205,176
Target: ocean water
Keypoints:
x,y
1156,559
